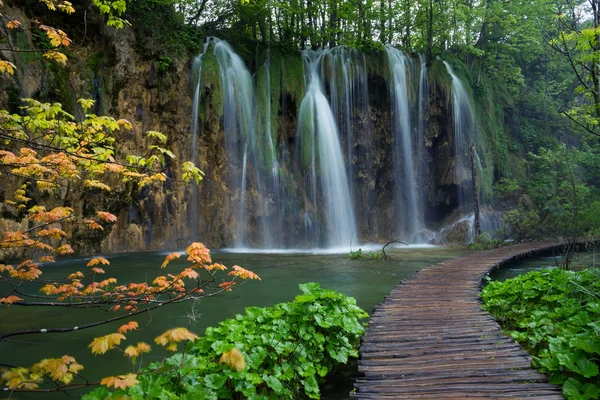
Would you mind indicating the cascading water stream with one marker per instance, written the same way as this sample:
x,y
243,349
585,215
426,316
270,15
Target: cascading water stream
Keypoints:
x,y
197,74
240,138
407,214
464,124
240,134
333,147
275,187
344,72
421,176
318,135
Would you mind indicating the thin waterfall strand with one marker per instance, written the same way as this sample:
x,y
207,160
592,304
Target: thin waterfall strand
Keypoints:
x,y
407,218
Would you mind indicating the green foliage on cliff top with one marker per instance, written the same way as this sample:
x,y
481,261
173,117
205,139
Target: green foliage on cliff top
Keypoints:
x,y
438,76
161,31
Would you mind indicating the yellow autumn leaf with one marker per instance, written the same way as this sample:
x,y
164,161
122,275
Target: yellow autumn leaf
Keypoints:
x,y
86,104
59,369
21,378
97,260
143,347
169,258
215,267
234,359
125,124
173,336
120,382
131,351
57,37
101,345
96,184
50,4
56,56
66,7
14,24
64,249
7,67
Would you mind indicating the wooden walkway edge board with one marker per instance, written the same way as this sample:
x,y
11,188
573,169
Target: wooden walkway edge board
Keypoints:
x,y
430,338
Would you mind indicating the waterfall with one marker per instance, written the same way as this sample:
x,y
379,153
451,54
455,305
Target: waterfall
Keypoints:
x,y
197,74
407,216
423,179
423,96
344,72
464,124
322,154
274,186
319,185
241,141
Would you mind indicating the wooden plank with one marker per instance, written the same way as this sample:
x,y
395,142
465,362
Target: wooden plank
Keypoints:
x,y
431,339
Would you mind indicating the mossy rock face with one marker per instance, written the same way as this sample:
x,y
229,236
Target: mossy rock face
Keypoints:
x,y
210,91
439,77
458,233
292,72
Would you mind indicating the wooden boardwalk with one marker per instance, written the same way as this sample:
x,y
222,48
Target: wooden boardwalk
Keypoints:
x,y
431,339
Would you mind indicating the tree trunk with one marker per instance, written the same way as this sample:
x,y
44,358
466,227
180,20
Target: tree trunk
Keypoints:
x,y
382,19
595,71
333,24
407,22
430,33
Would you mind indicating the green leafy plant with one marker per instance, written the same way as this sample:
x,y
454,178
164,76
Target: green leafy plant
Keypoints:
x,y
163,64
485,242
373,255
273,352
356,255
376,255
554,315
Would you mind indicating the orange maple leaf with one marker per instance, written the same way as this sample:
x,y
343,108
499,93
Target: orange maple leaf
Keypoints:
x,y
234,359
134,351
106,216
243,273
93,224
189,273
101,345
75,275
130,326
215,266
198,253
120,382
96,261
227,285
173,336
169,258
64,249
14,24
9,300
47,259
